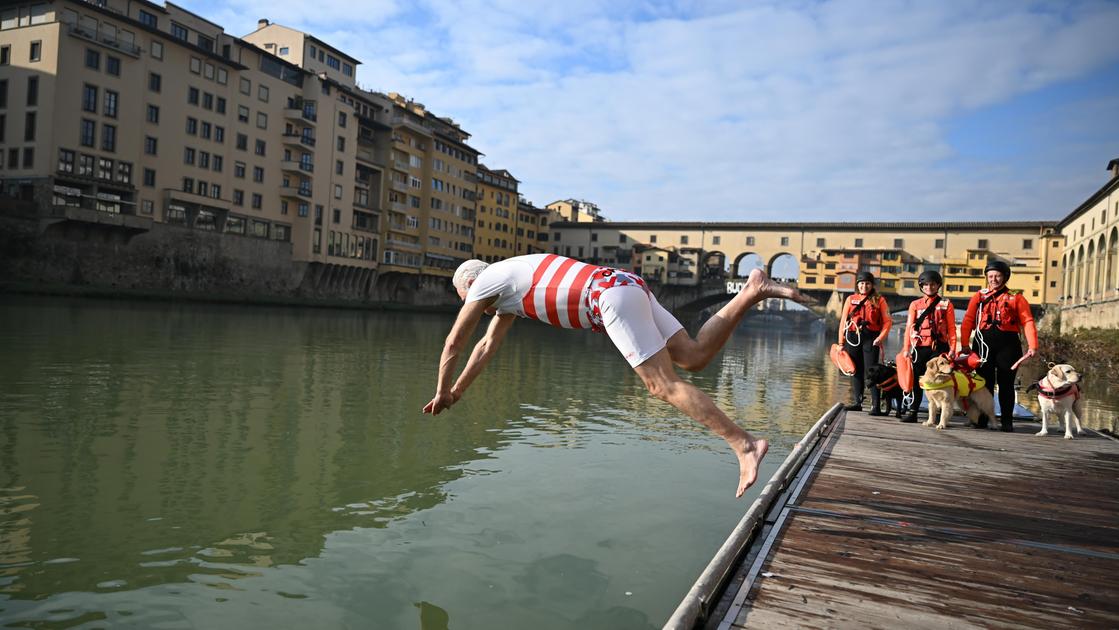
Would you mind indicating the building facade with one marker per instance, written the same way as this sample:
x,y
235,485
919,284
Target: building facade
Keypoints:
x,y
498,217
1090,262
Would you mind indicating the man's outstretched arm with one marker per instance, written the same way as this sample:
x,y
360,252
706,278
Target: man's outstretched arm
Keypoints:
x,y
483,352
467,320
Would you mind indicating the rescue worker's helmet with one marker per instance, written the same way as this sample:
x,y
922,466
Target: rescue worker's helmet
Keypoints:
x,y
930,277
998,265
865,276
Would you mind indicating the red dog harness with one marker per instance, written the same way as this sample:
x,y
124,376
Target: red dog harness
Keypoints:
x,y
889,383
1046,390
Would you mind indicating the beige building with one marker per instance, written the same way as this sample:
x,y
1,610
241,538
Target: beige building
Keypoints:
x,y
1089,265
829,254
532,228
575,210
498,217
130,113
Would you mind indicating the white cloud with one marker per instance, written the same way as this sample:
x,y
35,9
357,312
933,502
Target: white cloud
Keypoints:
x,y
659,110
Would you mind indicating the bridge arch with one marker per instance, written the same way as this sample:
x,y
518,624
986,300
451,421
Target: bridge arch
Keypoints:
x,y
746,262
1090,271
784,266
713,265
1111,281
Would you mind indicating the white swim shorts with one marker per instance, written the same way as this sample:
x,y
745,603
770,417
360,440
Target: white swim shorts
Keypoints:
x,y
637,324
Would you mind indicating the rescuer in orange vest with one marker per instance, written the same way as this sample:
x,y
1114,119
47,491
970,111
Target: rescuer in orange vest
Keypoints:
x,y
862,331
997,316
930,330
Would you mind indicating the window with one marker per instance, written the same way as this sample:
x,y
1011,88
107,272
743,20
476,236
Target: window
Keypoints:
x,y
188,185
149,20
652,238
124,172
207,100
192,126
157,50
338,217
260,147
337,191
784,241
104,168
88,133
858,242
1027,243
220,107
347,70
29,127
223,76
208,71
111,100
203,159
257,201
749,240
341,119
683,239
155,82
89,98
239,170
261,120
939,243
85,165
188,155
147,206
238,197
983,244
258,174
207,130
820,242
215,191
339,167
65,161
246,86
242,114
242,142
341,143
151,145
92,59
28,157
899,243
36,53
219,134
284,50
192,96
178,31
3,93
205,43
112,65
262,93
5,55
153,114
333,62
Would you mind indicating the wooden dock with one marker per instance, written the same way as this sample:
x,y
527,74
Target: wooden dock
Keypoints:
x,y
878,524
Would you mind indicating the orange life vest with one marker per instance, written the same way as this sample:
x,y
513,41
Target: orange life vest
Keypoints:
x,y
997,309
934,327
866,313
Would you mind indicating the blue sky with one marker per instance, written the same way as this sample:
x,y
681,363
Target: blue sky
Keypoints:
x,y
754,111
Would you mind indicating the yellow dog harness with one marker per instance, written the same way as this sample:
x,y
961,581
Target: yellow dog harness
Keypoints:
x,y
962,382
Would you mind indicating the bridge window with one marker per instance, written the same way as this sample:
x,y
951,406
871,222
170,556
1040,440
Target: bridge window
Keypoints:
x,y
784,241
939,244
858,242
1027,243
621,238
821,242
594,238
982,243
899,243
652,238
684,240
749,240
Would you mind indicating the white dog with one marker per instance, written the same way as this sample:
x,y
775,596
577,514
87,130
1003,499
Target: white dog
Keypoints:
x,y
945,386
1058,394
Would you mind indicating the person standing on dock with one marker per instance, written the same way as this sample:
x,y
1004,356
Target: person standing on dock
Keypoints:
x,y
567,293
930,330
862,331
997,316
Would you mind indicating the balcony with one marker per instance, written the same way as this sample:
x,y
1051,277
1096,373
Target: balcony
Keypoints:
x,y
399,186
300,167
399,165
299,110
296,191
104,39
396,206
410,123
295,139
398,244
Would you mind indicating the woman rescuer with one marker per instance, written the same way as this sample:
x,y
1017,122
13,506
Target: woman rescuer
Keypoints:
x,y
862,331
930,330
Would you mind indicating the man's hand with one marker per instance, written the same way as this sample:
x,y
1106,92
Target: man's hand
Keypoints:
x,y
439,403
1025,357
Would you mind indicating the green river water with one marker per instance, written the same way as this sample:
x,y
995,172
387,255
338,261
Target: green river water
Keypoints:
x,y
168,465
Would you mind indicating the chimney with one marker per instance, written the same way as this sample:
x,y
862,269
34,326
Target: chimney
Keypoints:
x,y
261,23
1113,167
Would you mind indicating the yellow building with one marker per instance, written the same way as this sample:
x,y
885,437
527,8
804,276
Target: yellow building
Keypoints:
x,y
532,228
498,216
575,210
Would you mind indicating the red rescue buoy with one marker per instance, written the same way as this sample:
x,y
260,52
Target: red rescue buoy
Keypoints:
x,y
905,371
842,360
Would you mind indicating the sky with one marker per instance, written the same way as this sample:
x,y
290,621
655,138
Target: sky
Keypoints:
x,y
791,110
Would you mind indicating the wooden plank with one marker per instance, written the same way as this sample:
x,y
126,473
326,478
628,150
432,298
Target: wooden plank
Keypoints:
x,y
905,526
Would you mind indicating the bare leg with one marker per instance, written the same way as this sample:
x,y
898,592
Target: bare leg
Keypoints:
x,y
664,383
694,354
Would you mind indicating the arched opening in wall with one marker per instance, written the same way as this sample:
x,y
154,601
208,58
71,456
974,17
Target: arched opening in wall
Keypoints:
x,y
1065,276
1112,278
1078,287
1101,263
784,268
746,263
1089,267
714,266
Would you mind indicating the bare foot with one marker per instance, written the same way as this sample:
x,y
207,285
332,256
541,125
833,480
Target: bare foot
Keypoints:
x,y
764,287
750,453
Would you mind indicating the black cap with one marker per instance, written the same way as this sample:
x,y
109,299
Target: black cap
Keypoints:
x,y
997,265
865,276
930,277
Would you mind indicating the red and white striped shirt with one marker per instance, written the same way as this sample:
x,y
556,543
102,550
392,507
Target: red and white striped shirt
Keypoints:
x,y
547,287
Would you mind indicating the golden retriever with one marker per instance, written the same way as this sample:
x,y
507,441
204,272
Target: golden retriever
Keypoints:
x,y
945,386
1058,394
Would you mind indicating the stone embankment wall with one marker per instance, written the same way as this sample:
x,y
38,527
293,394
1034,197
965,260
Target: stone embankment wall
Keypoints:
x,y
174,261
